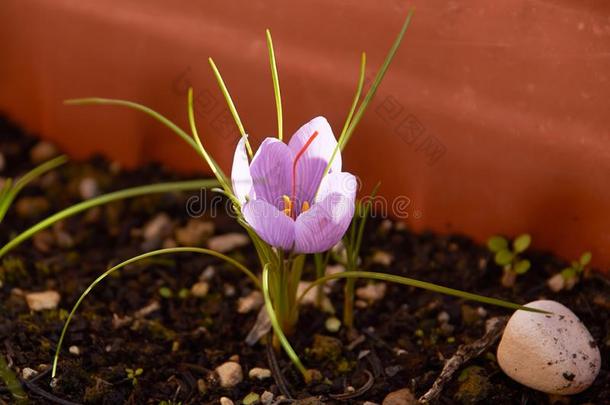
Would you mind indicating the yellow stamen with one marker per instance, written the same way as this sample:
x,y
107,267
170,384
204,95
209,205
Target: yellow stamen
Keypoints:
x,y
305,206
287,205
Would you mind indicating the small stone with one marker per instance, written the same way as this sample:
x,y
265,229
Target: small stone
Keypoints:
x,y
334,269
251,399
157,228
361,304
556,283
386,226
259,373
553,353
194,233
251,302
200,289
207,274
400,397
74,350
28,373
39,301
332,324
30,207
202,386
267,397
443,317
229,290
228,242
2,162
230,374
369,403
383,258
311,296
88,188
371,292
226,401
42,151
147,310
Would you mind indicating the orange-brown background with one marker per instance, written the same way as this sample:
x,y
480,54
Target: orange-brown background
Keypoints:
x,y
493,119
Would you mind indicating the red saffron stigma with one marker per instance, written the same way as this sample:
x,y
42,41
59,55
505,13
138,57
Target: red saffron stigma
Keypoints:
x,y
294,167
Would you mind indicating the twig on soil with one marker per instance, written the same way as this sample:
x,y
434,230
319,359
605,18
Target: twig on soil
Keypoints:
x,y
275,369
39,391
493,329
360,391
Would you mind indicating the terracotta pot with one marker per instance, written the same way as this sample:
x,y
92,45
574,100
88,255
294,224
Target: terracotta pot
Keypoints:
x,y
493,118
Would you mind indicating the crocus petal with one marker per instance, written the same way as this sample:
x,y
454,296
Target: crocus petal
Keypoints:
x,y
314,160
343,183
271,224
271,171
324,224
240,173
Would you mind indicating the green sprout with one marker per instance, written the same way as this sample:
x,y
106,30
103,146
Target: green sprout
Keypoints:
x,y
569,276
133,375
508,256
11,188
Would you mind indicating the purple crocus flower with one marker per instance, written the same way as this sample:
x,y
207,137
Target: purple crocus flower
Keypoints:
x,y
285,196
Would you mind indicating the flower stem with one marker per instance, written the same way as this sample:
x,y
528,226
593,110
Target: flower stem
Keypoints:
x,y
277,328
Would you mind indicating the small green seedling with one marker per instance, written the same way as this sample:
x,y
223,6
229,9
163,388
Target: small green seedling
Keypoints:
x,y
569,276
133,375
508,256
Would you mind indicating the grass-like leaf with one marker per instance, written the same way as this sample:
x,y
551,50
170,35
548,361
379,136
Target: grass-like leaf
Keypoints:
x,y
207,157
135,259
378,78
11,188
419,284
227,96
276,86
104,199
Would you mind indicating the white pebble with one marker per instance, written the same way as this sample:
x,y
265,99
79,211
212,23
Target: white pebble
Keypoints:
x,y
371,292
553,353
267,397
443,317
74,350
230,374
259,373
158,228
42,151
556,283
332,324
383,258
400,397
207,274
228,242
251,302
88,188
226,401
28,373
39,301
200,289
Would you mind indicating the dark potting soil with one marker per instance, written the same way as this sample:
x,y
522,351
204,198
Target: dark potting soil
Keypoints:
x,y
146,316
